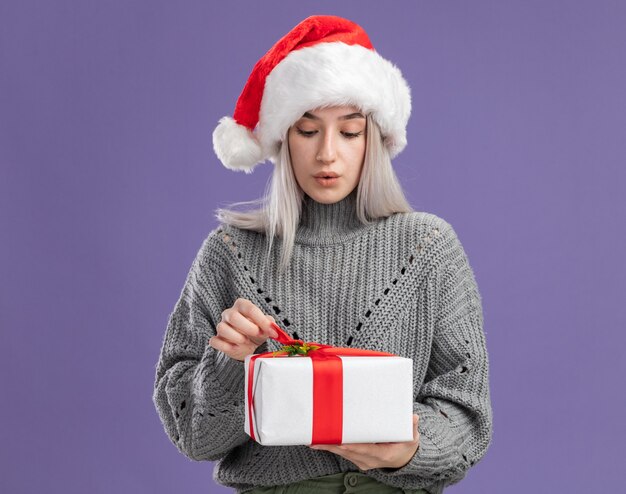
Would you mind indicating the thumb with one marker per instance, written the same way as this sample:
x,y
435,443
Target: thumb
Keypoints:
x,y
416,420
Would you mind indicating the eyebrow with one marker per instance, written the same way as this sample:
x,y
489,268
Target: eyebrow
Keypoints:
x,y
344,117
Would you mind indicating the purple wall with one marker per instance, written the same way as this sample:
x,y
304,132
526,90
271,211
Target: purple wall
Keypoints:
x,y
109,182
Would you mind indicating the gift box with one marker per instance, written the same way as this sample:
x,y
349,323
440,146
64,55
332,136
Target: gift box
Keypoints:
x,y
309,393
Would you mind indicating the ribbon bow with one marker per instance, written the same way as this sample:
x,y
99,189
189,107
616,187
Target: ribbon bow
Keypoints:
x,y
327,382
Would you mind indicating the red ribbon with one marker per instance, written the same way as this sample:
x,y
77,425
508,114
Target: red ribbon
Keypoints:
x,y
327,385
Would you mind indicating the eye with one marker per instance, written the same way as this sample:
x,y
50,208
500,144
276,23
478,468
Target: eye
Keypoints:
x,y
352,135
305,133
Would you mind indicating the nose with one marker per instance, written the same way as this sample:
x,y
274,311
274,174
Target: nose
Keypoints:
x,y
327,152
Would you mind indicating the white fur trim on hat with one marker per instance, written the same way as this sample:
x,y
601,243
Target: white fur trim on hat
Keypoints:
x,y
334,73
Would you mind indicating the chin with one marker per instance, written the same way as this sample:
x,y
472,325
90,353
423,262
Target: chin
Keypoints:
x,y
327,196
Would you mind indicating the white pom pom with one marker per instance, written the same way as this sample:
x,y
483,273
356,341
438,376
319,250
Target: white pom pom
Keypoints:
x,y
236,146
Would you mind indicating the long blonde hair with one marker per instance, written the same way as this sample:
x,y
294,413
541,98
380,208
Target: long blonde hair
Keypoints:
x,y
379,195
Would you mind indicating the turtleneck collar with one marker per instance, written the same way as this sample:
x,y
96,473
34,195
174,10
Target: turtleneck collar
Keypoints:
x,y
325,224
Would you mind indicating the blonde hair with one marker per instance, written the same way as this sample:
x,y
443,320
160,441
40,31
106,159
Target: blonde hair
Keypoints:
x,y
379,195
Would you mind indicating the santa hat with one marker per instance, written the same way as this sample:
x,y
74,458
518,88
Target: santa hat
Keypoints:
x,y
323,61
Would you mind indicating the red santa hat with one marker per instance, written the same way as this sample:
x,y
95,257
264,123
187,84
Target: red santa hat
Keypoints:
x,y
323,61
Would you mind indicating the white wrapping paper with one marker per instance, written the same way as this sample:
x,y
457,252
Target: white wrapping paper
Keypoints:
x,y
377,400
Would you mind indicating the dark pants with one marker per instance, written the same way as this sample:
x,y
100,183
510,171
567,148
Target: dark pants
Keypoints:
x,y
339,483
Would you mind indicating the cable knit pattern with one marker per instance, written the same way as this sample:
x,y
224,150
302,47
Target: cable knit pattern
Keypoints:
x,y
401,284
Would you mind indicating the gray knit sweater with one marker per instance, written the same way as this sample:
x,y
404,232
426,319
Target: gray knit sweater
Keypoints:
x,y
401,284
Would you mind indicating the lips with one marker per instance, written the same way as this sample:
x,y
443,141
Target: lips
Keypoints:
x,y
326,175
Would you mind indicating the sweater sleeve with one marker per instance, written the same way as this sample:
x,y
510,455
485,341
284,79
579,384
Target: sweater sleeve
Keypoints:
x,y
453,403
198,391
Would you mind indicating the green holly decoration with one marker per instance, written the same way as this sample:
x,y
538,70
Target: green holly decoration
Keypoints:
x,y
297,349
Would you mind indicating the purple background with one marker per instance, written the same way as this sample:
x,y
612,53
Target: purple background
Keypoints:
x,y
109,185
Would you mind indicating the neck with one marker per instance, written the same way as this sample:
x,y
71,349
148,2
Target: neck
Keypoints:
x,y
323,224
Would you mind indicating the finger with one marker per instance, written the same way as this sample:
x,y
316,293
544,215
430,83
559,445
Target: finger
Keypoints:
x,y
221,345
361,449
416,436
245,325
271,332
333,448
255,315
228,333
327,447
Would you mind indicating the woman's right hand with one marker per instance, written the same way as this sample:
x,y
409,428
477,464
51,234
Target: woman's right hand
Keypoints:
x,y
243,328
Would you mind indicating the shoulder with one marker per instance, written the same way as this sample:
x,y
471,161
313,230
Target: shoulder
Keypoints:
x,y
210,255
434,237
219,245
424,226
229,238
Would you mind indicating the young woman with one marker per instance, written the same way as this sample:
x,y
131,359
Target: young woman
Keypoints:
x,y
353,265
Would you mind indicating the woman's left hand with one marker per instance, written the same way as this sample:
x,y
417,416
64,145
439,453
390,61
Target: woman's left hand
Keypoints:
x,y
377,455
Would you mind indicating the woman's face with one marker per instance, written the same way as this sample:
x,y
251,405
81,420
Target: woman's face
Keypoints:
x,y
328,140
